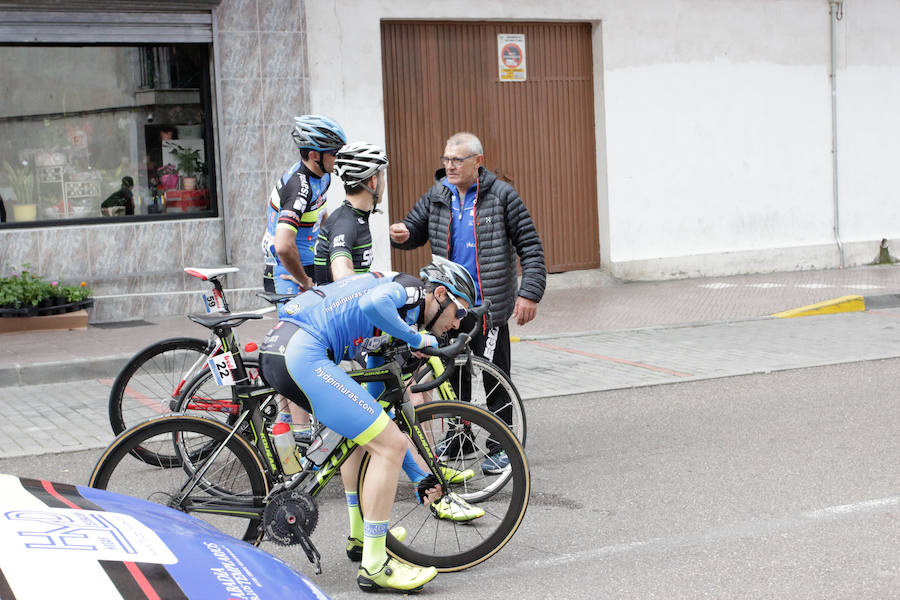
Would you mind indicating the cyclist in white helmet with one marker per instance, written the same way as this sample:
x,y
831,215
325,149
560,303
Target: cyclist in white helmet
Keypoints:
x,y
344,247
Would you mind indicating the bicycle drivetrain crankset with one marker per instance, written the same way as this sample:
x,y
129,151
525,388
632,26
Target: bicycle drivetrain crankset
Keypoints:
x,y
290,518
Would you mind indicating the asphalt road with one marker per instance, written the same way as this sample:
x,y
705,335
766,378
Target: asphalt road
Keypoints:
x,y
784,485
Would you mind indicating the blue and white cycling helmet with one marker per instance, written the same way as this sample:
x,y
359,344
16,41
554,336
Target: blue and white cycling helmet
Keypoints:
x,y
452,276
318,132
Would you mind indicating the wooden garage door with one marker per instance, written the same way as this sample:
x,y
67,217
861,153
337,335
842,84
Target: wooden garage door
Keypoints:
x,y
442,77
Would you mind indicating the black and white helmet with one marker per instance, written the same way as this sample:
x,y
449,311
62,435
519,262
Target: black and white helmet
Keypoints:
x,y
452,276
318,132
358,161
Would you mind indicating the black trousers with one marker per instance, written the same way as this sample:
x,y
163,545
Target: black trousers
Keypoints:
x,y
492,345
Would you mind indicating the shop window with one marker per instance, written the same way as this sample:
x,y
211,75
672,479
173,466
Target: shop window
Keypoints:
x,y
92,133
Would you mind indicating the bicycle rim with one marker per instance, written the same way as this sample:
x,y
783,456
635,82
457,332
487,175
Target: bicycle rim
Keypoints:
x,y
230,495
449,545
148,384
493,390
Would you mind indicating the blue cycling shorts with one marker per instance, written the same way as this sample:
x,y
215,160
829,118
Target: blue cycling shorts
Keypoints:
x,y
287,286
337,401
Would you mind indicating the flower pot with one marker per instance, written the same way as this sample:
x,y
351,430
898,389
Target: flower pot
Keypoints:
x,y
169,181
189,183
24,212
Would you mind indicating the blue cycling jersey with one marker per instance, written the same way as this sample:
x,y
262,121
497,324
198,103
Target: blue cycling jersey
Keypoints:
x,y
297,203
345,313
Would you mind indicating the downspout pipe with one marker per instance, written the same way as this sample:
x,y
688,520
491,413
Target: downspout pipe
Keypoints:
x,y
837,13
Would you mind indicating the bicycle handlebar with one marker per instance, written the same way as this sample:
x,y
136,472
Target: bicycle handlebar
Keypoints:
x,y
449,352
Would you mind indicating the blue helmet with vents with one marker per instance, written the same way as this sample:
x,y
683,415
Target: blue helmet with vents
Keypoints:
x,y
318,132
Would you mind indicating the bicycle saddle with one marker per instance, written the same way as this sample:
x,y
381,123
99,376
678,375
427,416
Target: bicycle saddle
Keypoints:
x,y
220,320
209,274
275,298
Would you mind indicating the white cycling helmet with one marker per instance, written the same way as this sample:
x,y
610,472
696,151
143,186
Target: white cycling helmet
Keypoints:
x,y
356,162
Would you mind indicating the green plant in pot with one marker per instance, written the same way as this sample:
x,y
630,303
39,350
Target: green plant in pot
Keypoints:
x,y
189,164
22,181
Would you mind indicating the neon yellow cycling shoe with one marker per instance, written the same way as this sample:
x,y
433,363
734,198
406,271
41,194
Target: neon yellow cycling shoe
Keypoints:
x,y
455,477
354,546
453,508
395,575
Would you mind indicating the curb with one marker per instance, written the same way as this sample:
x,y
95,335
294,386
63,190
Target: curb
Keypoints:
x,y
842,305
62,371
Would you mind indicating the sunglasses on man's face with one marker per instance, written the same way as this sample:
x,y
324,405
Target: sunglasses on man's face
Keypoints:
x,y
461,311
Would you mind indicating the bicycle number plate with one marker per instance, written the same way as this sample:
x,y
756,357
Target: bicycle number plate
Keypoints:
x,y
213,302
222,367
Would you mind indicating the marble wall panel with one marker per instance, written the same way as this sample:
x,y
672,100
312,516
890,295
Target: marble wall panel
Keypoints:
x,y
171,304
282,15
245,246
283,54
65,254
108,310
284,99
112,249
244,149
242,101
158,246
18,248
280,150
203,243
249,193
249,276
237,15
240,56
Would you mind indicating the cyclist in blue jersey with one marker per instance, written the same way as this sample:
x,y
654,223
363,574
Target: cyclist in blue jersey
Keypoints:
x,y
300,358
297,205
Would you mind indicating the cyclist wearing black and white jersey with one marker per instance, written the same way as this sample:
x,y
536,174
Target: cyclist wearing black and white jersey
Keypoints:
x,y
345,242
297,205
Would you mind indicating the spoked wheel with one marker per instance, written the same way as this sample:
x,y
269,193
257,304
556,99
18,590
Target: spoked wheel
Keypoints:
x,y
484,384
227,489
456,545
148,385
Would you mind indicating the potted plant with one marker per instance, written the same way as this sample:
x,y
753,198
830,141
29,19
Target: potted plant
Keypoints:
x,y
189,164
168,176
22,181
25,294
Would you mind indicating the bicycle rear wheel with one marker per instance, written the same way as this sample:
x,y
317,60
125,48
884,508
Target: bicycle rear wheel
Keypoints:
x,y
450,545
228,492
492,389
202,397
149,382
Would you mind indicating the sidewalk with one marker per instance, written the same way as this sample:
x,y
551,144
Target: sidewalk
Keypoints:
x,y
591,334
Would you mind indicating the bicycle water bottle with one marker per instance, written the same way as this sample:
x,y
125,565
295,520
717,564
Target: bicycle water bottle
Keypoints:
x,y
286,448
322,445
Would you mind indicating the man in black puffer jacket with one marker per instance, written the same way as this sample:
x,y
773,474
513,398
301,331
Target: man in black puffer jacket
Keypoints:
x,y
480,222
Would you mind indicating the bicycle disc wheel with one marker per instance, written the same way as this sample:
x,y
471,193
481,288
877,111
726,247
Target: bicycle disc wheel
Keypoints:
x,y
230,493
147,385
491,389
451,545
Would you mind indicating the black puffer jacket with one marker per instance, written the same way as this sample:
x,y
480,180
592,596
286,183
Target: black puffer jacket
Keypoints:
x,y
503,228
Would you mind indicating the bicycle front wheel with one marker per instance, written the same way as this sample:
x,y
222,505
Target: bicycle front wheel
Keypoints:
x,y
456,545
149,383
225,487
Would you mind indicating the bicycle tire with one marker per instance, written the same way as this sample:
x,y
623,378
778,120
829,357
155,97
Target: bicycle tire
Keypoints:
x,y
453,546
149,382
237,473
511,410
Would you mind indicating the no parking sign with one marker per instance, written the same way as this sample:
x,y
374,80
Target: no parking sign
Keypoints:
x,y
511,55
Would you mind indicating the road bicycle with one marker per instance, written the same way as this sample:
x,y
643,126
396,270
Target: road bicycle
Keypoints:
x,y
231,477
152,381
175,375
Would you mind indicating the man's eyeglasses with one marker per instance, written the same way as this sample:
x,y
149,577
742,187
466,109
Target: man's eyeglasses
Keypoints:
x,y
461,311
456,162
